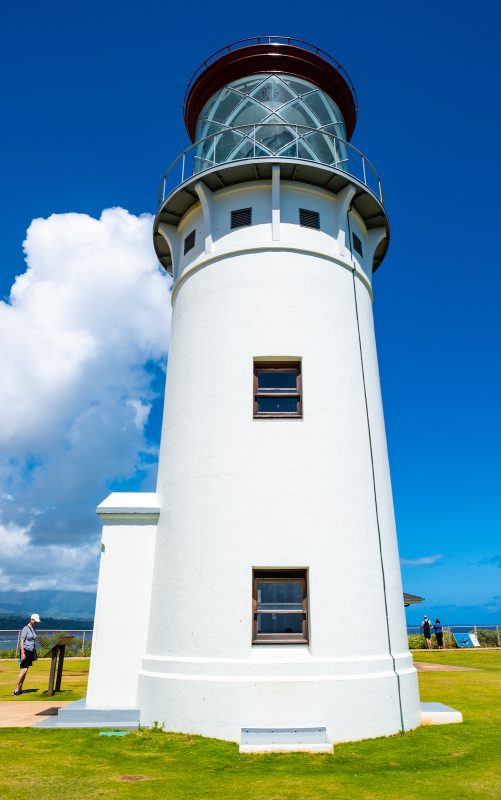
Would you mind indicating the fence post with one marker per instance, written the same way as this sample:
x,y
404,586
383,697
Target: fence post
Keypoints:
x,y
83,642
19,639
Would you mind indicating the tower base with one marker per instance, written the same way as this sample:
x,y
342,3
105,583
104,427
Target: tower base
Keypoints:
x,y
352,699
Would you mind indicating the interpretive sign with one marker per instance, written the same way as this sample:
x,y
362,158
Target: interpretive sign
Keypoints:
x,y
56,652
466,640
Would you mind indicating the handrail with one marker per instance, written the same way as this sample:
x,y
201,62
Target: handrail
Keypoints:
x,y
289,40
356,164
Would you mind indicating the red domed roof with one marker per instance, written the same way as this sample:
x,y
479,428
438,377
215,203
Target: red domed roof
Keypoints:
x,y
275,54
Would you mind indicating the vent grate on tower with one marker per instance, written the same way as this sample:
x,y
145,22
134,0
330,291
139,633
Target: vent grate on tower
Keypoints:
x,y
309,219
241,217
357,245
189,242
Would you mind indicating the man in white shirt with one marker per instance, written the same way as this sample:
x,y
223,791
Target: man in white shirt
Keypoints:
x,y
27,645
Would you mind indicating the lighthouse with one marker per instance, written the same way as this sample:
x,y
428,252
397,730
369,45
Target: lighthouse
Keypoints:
x,y
259,587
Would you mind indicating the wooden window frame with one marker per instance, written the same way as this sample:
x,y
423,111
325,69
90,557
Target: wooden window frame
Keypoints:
x,y
278,366
275,576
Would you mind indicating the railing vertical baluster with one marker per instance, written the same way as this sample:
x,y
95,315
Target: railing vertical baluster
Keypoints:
x,y
338,156
83,642
497,633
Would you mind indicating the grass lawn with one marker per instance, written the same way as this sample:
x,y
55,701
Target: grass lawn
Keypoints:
x,y
73,685
452,762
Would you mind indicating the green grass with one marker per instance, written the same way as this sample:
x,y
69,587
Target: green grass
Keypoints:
x,y
73,685
452,762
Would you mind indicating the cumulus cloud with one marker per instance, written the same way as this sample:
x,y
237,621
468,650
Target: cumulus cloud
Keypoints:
x,y
83,334
422,561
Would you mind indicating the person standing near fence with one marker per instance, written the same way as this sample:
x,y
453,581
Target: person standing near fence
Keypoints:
x,y
439,633
28,648
426,627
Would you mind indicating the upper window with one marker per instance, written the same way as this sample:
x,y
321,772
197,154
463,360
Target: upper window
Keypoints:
x,y
241,217
357,244
280,607
189,242
277,389
309,219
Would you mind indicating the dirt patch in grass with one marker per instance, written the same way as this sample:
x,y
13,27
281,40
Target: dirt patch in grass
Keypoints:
x,y
421,667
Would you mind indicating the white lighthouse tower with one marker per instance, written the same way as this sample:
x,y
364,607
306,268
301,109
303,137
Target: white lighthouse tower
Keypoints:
x,y
261,582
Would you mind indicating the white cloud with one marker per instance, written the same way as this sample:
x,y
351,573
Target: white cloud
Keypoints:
x,y
29,567
82,334
13,541
423,561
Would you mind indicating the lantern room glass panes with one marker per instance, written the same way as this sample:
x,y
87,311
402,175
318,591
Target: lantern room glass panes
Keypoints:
x,y
270,115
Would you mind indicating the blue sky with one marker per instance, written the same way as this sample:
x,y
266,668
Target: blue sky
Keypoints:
x,y
92,109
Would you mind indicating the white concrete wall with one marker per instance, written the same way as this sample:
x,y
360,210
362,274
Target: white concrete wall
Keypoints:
x,y
239,493
123,599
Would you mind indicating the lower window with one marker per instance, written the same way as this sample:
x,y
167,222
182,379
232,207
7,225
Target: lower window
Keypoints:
x,y
280,607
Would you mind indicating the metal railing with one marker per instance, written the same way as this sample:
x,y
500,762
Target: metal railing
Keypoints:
x,y
287,40
81,645
270,141
487,635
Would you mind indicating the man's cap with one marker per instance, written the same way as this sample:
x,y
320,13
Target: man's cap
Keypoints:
x,y
35,617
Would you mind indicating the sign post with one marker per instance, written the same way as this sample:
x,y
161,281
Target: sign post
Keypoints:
x,y
57,652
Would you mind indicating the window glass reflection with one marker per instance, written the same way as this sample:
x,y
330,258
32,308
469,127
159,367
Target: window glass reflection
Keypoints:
x,y
279,623
277,405
277,380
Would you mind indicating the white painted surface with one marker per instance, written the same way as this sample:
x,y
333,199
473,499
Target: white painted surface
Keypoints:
x,y
439,714
123,598
239,493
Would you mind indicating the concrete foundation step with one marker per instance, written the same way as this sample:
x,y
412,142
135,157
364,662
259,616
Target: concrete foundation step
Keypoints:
x,y
439,714
285,740
77,715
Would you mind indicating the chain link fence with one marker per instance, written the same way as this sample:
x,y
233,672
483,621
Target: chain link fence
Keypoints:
x,y
487,635
80,646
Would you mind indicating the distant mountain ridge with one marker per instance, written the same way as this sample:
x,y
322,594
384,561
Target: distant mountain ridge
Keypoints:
x,y
49,603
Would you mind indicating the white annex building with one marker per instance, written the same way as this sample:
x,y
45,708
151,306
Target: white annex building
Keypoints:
x,y
259,587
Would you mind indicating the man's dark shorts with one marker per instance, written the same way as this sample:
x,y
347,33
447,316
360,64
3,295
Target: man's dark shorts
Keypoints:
x,y
28,660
